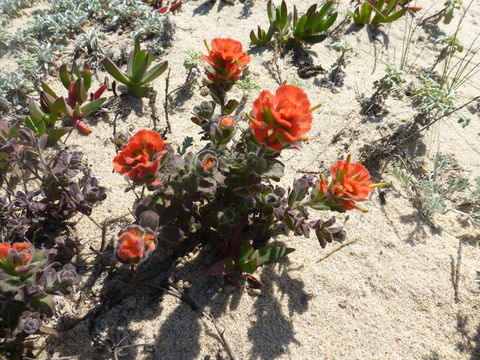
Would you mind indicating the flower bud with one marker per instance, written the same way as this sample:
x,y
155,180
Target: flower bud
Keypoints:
x,y
273,200
205,109
248,203
135,244
29,323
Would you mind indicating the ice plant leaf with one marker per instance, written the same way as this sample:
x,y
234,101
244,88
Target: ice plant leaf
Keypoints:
x,y
64,77
91,106
154,72
113,70
264,256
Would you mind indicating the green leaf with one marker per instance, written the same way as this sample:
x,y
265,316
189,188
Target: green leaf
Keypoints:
x,y
87,78
154,72
64,77
249,266
274,171
319,206
314,39
91,106
270,12
245,251
61,106
140,65
325,9
282,17
395,16
35,110
311,10
254,39
297,31
55,135
48,89
42,304
323,26
265,256
230,107
51,119
113,70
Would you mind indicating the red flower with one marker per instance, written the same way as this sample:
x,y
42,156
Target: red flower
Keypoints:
x,y
135,244
226,59
140,156
351,183
281,118
4,250
22,253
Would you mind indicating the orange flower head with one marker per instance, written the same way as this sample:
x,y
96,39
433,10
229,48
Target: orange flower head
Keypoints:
x,y
207,161
140,157
226,122
22,253
281,118
226,59
4,250
351,183
135,244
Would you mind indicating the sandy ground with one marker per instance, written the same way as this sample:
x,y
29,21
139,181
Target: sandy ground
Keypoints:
x,y
389,295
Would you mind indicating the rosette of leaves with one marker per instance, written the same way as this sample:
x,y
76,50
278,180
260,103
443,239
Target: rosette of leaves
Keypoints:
x,y
78,104
26,294
309,28
138,74
279,23
376,12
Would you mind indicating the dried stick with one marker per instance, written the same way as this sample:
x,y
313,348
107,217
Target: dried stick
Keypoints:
x,y
341,246
151,103
165,101
186,299
275,60
456,271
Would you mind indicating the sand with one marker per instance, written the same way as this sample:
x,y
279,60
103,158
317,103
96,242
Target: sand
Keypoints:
x,y
388,295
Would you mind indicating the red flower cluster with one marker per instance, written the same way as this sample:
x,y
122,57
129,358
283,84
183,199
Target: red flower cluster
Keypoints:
x,y
226,59
350,183
140,157
19,253
281,118
135,244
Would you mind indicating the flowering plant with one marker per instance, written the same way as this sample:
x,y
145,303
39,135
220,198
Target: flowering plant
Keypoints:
x,y
226,192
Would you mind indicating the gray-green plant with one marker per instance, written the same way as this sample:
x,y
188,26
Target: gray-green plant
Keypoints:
x,y
13,8
45,55
191,59
59,27
14,90
247,85
438,192
90,46
123,12
450,7
388,84
434,100
149,25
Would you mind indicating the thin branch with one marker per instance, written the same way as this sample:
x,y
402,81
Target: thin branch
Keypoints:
x,y
333,251
165,101
182,296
